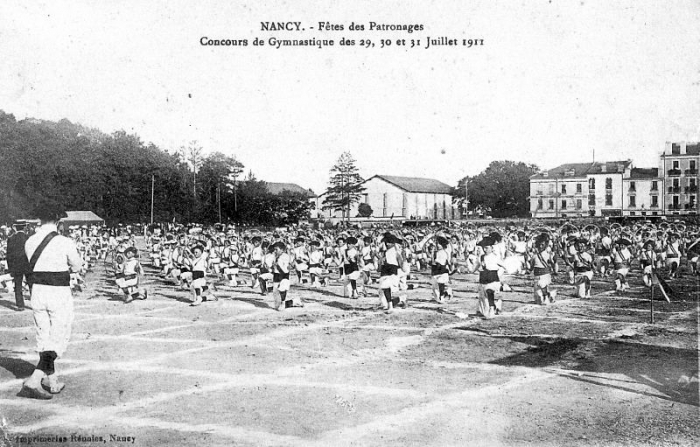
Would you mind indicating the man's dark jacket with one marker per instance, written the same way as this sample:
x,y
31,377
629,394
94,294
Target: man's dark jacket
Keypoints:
x,y
17,261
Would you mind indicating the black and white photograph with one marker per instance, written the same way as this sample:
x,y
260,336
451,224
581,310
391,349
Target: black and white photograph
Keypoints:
x,y
360,223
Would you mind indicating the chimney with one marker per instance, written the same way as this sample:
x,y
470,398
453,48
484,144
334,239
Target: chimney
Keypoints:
x,y
683,145
669,148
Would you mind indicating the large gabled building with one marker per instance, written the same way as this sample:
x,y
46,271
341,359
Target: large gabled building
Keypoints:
x,y
401,198
277,189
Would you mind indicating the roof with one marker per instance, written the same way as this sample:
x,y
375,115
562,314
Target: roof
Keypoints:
x,y
416,184
641,173
278,188
82,216
690,149
583,169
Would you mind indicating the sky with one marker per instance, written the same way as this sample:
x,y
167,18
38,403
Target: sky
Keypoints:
x,y
554,81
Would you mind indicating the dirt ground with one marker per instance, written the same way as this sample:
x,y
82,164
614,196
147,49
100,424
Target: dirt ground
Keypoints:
x,y
341,372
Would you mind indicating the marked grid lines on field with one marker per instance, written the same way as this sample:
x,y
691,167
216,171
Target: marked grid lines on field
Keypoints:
x,y
292,376
301,377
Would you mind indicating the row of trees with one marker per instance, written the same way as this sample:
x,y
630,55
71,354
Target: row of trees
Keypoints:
x,y
116,176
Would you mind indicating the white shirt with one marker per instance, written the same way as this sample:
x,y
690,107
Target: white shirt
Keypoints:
x,y
59,255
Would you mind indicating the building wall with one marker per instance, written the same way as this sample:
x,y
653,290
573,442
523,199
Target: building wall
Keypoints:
x,y
681,192
643,192
386,200
559,197
604,201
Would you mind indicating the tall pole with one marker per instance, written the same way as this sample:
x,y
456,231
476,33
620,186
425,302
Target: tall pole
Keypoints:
x,y
153,186
466,198
218,198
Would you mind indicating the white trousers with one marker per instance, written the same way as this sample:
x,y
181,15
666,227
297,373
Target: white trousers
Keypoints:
x,y
53,317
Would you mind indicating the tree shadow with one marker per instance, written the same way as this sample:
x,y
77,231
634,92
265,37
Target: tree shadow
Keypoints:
x,y
660,368
17,367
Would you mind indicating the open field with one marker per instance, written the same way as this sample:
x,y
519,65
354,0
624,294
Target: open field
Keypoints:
x,y
341,372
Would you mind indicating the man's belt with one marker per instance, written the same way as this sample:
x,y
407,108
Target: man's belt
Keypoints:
x,y
60,279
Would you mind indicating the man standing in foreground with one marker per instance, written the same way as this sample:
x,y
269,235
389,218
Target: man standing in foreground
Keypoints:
x,y
17,262
51,259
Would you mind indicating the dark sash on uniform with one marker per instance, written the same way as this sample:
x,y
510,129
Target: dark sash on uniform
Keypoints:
x,y
60,279
488,276
279,276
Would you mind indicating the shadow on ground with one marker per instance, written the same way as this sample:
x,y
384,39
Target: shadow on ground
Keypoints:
x,y
668,370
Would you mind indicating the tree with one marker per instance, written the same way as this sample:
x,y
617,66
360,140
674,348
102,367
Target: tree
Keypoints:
x,y
216,178
346,185
192,154
364,210
503,187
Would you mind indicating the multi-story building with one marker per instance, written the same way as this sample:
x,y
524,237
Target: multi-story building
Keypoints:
x,y
679,166
644,193
579,189
618,189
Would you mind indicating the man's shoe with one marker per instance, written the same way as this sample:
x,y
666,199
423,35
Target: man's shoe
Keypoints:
x,y
55,389
34,393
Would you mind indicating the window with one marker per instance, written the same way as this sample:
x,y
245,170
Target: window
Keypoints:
x,y
551,205
633,201
591,183
539,204
676,164
654,185
691,204
563,189
578,188
551,189
655,201
633,186
692,165
608,183
563,204
591,199
632,213
608,199
579,204
676,183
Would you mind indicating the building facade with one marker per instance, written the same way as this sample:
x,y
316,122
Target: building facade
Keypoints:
x,y
619,189
401,198
679,165
579,190
644,193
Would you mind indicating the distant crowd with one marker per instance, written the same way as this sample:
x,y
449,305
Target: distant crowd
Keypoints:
x,y
216,261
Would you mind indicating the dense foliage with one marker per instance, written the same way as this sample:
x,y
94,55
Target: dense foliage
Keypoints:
x,y
113,176
502,189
